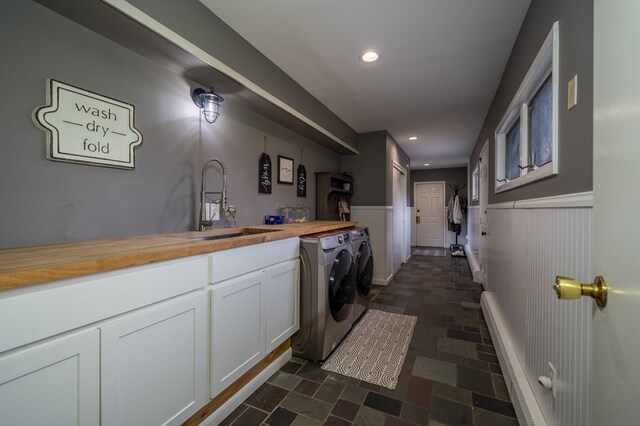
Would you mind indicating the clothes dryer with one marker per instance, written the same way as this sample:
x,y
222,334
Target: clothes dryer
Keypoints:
x,y
363,270
327,292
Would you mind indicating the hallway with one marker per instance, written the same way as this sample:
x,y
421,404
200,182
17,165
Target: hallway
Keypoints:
x,y
450,376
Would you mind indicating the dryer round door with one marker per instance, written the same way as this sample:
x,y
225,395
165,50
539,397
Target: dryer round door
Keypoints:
x,y
341,286
364,268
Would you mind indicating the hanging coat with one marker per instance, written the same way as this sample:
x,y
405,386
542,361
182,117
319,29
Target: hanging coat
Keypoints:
x,y
457,210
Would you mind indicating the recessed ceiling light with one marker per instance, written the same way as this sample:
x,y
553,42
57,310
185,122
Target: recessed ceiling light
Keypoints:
x,y
426,164
413,138
369,56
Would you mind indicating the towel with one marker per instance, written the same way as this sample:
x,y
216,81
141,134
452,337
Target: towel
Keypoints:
x,y
457,210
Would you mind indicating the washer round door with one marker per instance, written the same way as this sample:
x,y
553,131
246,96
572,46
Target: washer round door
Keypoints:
x,y
364,268
341,286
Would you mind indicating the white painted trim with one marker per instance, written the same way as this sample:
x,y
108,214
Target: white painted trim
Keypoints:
x,y
382,282
548,57
399,167
473,207
524,402
532,176
371,207
474,265
165,32
239,397
505,205
577,200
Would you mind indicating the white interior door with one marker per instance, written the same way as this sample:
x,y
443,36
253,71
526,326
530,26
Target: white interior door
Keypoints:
x,y
429,198
615,375
483,193
399,207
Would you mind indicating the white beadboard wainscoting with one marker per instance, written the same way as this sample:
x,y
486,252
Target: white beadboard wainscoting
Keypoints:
x,y
530,242
379,219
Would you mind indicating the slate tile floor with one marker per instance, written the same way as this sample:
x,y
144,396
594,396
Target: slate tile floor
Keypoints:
x,y
450,376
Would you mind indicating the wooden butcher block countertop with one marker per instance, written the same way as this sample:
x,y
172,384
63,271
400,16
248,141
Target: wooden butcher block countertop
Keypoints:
x,y
25,266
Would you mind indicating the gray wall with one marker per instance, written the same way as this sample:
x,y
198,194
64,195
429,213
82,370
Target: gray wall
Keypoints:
x,y
451,176
45,202
372,169
576,126
193,21
368,169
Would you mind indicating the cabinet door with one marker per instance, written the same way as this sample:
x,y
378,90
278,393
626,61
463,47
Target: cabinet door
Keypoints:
x,y
282,292
54,383
237,329
154,363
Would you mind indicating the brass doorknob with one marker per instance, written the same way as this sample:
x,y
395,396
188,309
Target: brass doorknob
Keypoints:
x,y
568,288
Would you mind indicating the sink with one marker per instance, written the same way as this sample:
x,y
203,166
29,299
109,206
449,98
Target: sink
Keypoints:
x,y
238,233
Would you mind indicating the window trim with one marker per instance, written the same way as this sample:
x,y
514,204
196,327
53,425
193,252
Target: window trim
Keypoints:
x,y
546,62
475,182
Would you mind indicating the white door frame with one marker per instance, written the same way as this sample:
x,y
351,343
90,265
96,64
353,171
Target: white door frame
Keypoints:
x,y
443,208
403,233
483,195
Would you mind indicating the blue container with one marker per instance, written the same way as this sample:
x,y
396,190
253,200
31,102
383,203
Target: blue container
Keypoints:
x,y
273,219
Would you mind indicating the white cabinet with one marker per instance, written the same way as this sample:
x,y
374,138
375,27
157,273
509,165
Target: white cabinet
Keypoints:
x,y
282,294
252,310
237,321
53,383
154,363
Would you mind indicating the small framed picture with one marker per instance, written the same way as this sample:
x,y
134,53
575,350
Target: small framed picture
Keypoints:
x,y
285,170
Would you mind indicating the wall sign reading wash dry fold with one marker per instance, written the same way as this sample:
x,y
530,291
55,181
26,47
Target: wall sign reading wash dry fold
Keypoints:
x,y
87,128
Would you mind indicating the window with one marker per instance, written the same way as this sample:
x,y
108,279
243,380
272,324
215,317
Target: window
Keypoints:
x,y
527,136
513,152
540,117
474,184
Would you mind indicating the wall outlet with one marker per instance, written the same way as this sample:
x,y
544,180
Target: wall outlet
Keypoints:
x,y
213,211
572,92
552,376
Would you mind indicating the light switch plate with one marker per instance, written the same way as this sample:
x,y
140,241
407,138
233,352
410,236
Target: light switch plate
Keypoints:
x,y
572,92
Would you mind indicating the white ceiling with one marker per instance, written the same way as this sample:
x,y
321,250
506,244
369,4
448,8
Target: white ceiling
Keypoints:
x,y
441,62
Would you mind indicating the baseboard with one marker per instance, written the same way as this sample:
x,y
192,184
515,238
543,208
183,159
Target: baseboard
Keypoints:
x,y
524,402
473,263
239,397
382,282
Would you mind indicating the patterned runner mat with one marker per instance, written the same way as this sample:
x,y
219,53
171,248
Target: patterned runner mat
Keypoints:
x,y
375,349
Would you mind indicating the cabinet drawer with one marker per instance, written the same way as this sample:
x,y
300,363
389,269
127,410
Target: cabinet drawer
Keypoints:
x,y
69,304
234,262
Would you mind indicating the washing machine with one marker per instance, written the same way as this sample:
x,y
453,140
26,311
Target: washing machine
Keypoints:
x,y
327,293
363,270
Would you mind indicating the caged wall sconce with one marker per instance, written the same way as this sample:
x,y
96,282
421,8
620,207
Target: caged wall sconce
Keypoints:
x,y
209,102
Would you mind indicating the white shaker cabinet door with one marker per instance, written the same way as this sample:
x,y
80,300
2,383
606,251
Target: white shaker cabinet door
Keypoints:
x,y
154,364
53,383
237,328
282,292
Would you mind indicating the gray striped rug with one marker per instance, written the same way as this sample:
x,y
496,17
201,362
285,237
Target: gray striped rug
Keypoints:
x,y
375,349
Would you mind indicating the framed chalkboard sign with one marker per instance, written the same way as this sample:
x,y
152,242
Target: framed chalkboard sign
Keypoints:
x,y
301,181
264,174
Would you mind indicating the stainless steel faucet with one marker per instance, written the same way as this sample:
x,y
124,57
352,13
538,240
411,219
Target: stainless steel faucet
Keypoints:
x,y
204,223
